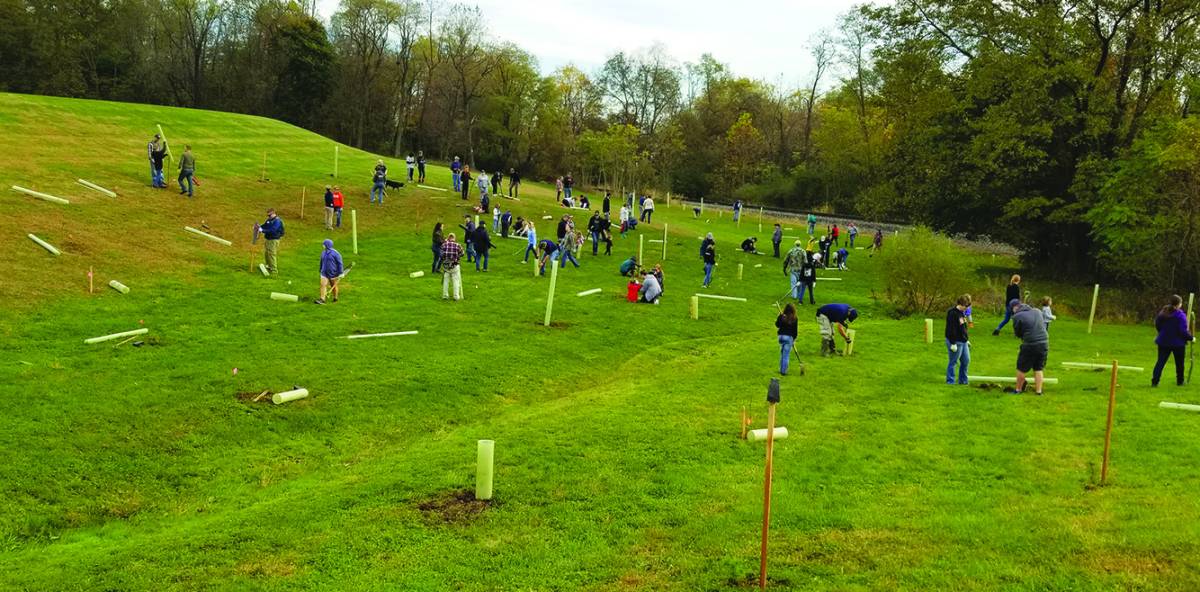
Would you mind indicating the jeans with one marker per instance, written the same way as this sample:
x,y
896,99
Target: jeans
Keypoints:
x,y
737,214
708,267
797,287
452,277
776,245
495,225
1163,354
471,252
811,293
437,258
188,175
852,237
595,242
378,189
457,176
785,354
530,249
1007,316
481,256
812,227
156,176
962,358
410,174
649,214
567,192
271,253
567,254
338,213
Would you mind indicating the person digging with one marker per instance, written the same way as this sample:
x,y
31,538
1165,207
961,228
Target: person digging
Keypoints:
x,y
829,316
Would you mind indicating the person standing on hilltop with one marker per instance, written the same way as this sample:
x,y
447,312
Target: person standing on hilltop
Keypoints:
x,y
558,189
1173,337
777,238
786,325
514,183
420,166
328,207
456,174
438,239
187,171
452,252
157,152
1012,292
272,231
812,224
568,183
852,232
958,343
411,164
331,271
379,180
465,181
497,182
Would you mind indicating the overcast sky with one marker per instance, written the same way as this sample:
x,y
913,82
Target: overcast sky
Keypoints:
x,y
763,39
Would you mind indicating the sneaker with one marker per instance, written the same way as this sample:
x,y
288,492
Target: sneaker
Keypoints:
x,y
318,301
1038,393
1012,391
182,192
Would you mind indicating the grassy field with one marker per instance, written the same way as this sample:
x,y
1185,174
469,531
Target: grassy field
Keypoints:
x,y
618,462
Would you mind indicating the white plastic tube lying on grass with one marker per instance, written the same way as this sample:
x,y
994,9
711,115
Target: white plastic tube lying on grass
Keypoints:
x,y
1183,406
824,279
393,334
208,236
262,268
433,188
284,397
1090,366
95,187
284,297
104,338
590,292
45,245
40,195
1008,379
761,435
118,286
416,274
716,297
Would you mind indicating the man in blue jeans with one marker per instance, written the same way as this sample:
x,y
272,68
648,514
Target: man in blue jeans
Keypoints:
x,y
710,259
958,344
187,171
379,179
456,174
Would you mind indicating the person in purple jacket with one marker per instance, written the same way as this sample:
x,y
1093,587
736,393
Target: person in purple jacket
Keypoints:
x,y
331,271
1173,337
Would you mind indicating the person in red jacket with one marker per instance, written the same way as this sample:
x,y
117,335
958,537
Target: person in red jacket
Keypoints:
x,y
338,201
836,232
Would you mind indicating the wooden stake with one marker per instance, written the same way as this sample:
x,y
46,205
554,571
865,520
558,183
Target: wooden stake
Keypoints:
x,y
762,571
745,422
1092,315
91,289
1112,402
1191,298
251,257
335,161
264,169
303,195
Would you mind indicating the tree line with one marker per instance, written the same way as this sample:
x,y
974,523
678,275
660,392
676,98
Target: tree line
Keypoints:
x,y
1062,127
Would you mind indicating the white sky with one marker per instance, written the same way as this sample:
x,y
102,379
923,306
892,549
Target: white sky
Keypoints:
x,y
762,39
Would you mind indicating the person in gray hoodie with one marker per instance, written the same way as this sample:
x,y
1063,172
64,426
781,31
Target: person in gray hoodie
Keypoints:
x,y
1030,326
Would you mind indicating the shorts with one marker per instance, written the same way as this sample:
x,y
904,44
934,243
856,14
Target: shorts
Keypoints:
x,y
1032,357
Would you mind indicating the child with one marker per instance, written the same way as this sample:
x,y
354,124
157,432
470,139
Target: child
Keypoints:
x,y
1046,312
495,220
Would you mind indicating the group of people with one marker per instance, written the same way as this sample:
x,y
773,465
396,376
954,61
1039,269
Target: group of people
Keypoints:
x,y
157,152
833,319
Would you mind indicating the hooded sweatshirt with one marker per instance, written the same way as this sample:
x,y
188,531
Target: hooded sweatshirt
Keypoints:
x,y
1172,329
331,261
1030,326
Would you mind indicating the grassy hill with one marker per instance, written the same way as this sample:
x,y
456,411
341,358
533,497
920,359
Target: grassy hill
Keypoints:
x,y
618,463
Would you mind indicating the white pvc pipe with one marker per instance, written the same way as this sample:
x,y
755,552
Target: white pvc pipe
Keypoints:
x,y
104,338
41,196
416,274
118,286
262,268
825,279
761,435
1089,366
590,292
96,187
45,245
284,397
484,456
547,217
284,297
716,297
393,334
208,236
1008,379
433,188
1183,406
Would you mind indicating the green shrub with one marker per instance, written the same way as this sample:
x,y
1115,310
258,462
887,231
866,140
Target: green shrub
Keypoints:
x,y
923,271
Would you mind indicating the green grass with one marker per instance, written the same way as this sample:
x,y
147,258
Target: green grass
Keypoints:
x,y
618,463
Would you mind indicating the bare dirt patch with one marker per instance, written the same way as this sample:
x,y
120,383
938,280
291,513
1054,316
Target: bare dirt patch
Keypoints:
x,y
454,507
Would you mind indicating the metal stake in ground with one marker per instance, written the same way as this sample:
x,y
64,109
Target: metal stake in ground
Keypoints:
x,y
772,400
1112,402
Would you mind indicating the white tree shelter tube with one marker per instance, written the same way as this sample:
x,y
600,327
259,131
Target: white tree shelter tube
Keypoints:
x,y
41,196
262,268
118,286
1183,406
208,236
284,297
1008,379
416,274
716,297
393,334
45,245
590,292
104,338
761,435
284,397
1090,366
95,187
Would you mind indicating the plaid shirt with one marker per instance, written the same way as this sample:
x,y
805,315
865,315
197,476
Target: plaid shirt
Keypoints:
x,y
451,253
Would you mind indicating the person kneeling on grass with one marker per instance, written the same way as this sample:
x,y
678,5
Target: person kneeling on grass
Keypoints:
x,y
830,315
750,245
629,267
1030,326
331,271
957,340
786,325
650,290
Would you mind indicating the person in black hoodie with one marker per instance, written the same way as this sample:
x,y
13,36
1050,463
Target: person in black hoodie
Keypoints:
x,y
437,247
594,229
786,328
328,208
468,227
607,203
1013,292
958,343
505,222
606,234
483,244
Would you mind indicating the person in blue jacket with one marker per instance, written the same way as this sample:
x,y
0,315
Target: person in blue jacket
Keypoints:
x,y
829,316
1173,337
331,271
531,235
272,230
